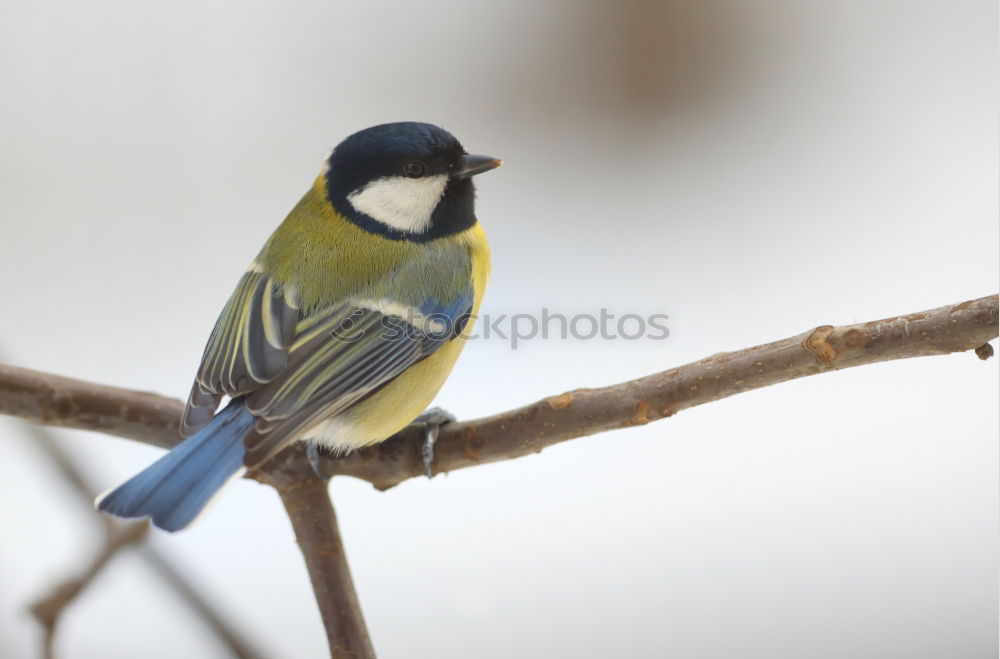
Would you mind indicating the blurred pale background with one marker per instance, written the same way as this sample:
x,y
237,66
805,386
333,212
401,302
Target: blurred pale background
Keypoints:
x,y
752,169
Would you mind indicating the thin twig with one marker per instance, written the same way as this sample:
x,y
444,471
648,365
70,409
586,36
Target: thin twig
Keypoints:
x,y
237,643
307,502
51,399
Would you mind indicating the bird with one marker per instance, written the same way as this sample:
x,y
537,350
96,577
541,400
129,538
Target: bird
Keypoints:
x,y
342,329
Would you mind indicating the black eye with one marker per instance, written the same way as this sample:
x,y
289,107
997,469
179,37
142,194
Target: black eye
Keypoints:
x,y
414,169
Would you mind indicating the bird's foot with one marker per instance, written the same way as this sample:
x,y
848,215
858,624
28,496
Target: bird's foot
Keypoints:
x,y
314,456
432,420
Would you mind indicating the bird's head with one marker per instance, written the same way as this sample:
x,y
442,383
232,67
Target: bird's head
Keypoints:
x,y
405,181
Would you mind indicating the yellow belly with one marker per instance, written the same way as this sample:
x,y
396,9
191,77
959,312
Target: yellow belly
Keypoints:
x,y
393,407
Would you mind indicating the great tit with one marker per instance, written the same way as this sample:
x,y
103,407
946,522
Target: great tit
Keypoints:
x,y
344,327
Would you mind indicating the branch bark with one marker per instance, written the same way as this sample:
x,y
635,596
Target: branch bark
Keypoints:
x,y
54,400
153,419
307,501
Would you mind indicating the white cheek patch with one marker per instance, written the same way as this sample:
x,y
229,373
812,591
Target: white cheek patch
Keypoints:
x,y
405,204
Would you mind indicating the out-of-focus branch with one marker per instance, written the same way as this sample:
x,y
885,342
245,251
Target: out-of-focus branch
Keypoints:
x,y
153,419
49,609
119,537
238,644
307,502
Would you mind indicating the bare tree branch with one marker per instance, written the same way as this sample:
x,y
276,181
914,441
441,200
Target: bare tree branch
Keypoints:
x,y
153,419
529,429
307,502
55,400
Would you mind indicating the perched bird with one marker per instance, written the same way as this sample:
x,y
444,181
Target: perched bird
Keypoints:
x,y
344,327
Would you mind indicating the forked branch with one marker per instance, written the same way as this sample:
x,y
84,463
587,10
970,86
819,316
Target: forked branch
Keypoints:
x,y
153,419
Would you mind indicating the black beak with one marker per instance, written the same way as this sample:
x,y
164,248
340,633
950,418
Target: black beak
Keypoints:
x,y
470,165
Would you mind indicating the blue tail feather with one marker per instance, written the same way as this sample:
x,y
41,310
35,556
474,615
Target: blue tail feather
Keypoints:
x,y
175,488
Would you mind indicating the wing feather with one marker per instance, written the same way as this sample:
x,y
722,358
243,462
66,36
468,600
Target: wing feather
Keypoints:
x,y
248,347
